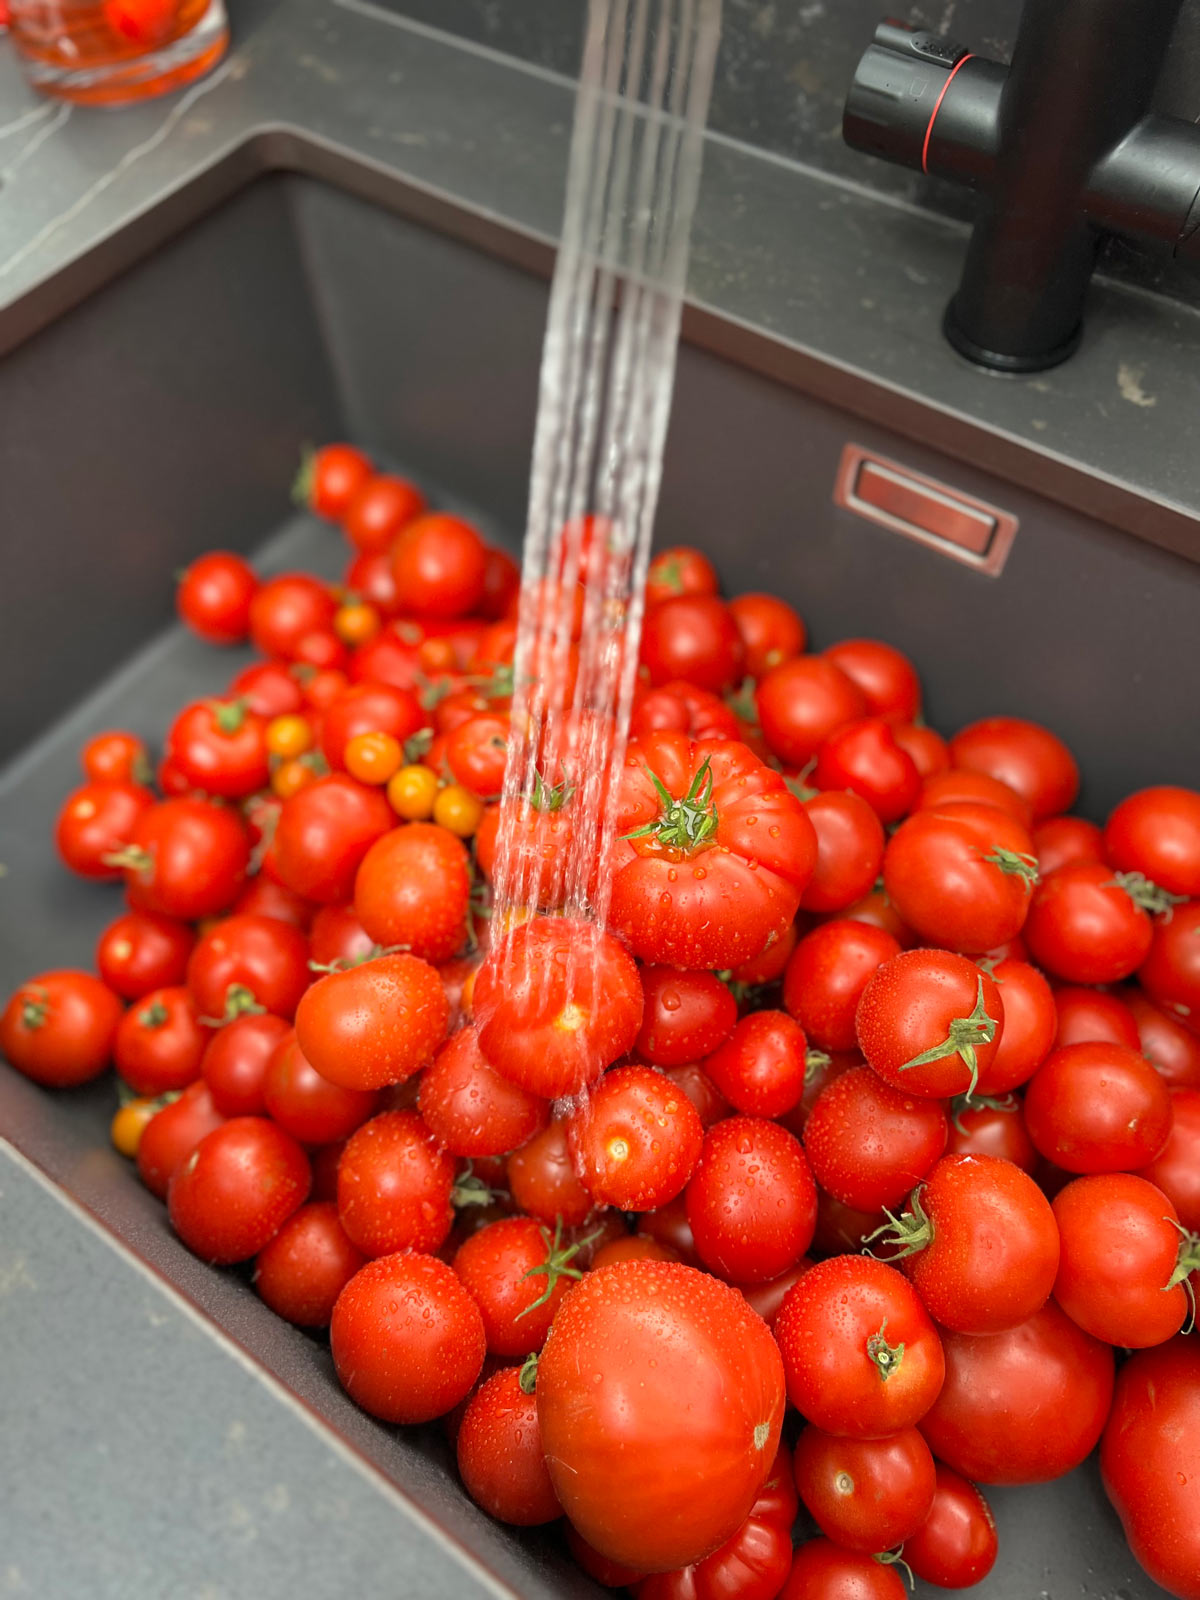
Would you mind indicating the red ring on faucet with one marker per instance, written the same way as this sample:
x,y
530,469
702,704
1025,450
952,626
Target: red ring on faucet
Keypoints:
x,y
929,130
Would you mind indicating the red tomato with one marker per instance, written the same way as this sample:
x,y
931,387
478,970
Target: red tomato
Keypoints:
x,y
1150,1462
369,577
885,677
752,1563
1085,925
477,754
518,1273
116,757
1171,1049
956,1545
406,1338
957,787
694,637
374,1024
1064,841
767,1298
139,952
1125,1260
1157,832
470,1108
323,833
1023,1406
220,747
930,1022
635,1139
1030,1021
214,597
860,1353
979,1243
269,689
501,583
413,888
1176,1168
632,1247
95,822
656,1330
760,1069
325,1163
961,876
329,478
611,1574
864,758
338,939
770,966
542,1179
682,708
751,1201
159,1043
237,1188
712,853
395,1186
243,961
802,702
58,1028
171,1135
868,1143
500,1453
439,563
308,1263
1026,756
850,844
286,609
841,1227
1087,1014
185,859
822,1570
679,570
865,1494
686,1015
1098,1108
1170,973
771,631
377,507
368,708
991,1127
825,978
556,1004
308,1106
235,1061
929,751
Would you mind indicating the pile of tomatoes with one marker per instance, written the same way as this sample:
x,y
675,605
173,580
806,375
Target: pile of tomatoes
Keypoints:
x,y
877,1098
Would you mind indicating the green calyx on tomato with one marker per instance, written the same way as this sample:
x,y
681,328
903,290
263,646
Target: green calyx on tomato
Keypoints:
x,y
1187,1262
895,1558
815,1061
964,1034
130,858
1146,894
527,1377
417,745
471,1190
686,824
559,1263
156,1015
239,1002
982,1102
35,1007
1015,864
344,963
886,1357
550,796
303,482
906,1234
229,715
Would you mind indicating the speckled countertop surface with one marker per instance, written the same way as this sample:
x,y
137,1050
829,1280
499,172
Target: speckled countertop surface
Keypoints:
x,y
849,283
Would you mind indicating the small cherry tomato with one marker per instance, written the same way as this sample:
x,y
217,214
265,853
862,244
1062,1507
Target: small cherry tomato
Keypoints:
x,y
439,563
870,1144
140,951
308,1263
116,757
306,1105
865,1494
771,631
58,1028
159,1042
235,1060
751,1200
376,510
236,1189
635,1139
95,822
1098,1107
129,1123
214,597
173,1133
956,1545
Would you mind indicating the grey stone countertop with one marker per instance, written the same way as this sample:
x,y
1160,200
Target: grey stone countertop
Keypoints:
x,y
846,285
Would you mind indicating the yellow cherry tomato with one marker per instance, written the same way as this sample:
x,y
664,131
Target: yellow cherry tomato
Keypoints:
x,y
130,1123
292,776
458,810
356,623
373,757
289,736
412,792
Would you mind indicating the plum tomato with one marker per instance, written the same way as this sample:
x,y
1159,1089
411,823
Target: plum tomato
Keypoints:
x,y
865,1494
1023,1406
801,702
1097,1107
930,1022
58,1028
500,1456
374,1024
751,1201
826,976
870,1144
956,1545
860,1353
470,1108
407,1339
308,1263
557,1002
688,1475
686,1015
712,855
1026,756
237,1188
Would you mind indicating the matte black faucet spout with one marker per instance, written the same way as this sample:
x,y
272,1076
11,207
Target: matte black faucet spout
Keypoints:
x,y
1060,147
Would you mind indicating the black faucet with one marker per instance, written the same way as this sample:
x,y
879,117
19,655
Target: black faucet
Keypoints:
x,y
1061,148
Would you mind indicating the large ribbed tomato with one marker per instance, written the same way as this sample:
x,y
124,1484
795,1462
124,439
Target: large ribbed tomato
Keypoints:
x,y
713,854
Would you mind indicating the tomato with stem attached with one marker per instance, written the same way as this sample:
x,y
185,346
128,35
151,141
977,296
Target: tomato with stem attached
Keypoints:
x,y
94,822
58,1028
929,1022
374,1024
159,1042
116,757
822,1570
518,1271
1089,924
500,1456
681,569
961,875
1156,833
329,477
988,1125
184,858
247,962
220,747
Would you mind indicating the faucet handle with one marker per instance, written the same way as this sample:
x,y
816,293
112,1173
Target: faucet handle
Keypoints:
x,y
907,40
